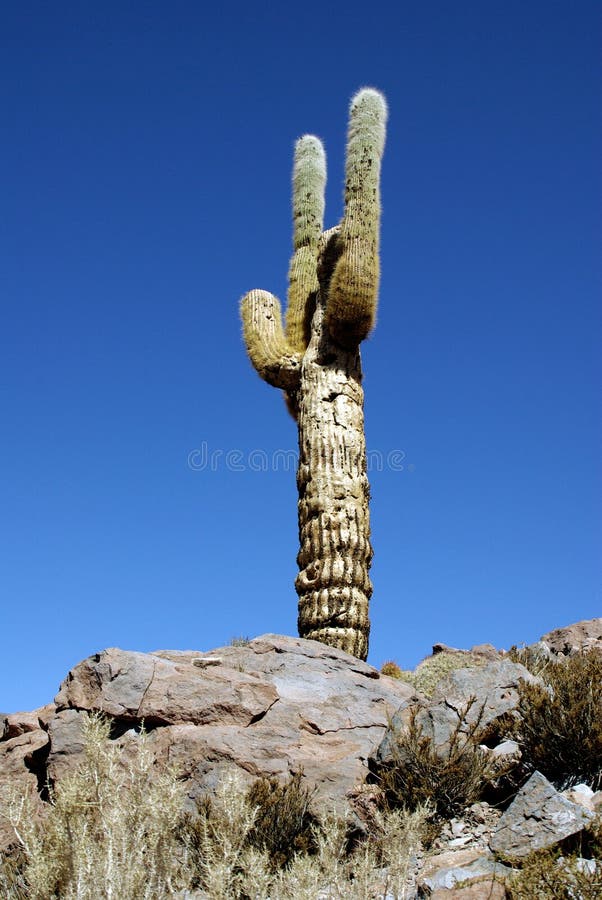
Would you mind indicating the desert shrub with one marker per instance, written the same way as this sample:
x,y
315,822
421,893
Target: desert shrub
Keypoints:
x,y
240,641
450,777
13,885
109,831
560,725
535,658
117,832
547,876
375,868
283,824
391,669
217,840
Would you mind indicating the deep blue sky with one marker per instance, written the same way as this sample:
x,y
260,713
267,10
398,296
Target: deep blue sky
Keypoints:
x,y
146,156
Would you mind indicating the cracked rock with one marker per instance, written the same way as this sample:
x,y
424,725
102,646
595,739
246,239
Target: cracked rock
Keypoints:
x,y
537,818
274,706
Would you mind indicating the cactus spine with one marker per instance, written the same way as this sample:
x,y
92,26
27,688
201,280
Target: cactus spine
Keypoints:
x,y
315,360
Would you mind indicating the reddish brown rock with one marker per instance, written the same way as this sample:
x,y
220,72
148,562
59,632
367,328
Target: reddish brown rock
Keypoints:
x,y
23,751
273,707
585,635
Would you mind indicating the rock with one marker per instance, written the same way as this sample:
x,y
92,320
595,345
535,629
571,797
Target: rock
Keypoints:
x,y
507,750
14,724
481,889
275,706
486,651
132,687
585,635
537,818
23,751
489,691
449,874
581,794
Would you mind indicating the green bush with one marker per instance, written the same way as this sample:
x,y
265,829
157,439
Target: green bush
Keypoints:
x,y
560,725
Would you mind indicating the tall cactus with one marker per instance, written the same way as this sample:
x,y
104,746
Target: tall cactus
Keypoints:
x,y
315,360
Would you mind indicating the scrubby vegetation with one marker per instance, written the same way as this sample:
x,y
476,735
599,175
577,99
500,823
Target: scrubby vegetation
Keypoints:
x,y
559,728
449,778
546,875
118,832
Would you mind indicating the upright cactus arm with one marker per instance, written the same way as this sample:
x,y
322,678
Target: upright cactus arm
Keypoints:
x,y
309,181
353,292
268,349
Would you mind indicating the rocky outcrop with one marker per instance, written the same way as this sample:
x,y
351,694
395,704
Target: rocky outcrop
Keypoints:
x,y
482,694
586,635
276,706
273,707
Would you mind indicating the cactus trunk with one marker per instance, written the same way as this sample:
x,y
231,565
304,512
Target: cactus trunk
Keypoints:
x,y
334,524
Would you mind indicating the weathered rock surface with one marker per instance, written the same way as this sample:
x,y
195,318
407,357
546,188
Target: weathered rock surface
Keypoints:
x,y
457,871
273,707
23,750
537,818
484,692
585,635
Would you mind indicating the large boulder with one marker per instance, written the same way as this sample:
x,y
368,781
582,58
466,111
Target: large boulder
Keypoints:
x,y
275,706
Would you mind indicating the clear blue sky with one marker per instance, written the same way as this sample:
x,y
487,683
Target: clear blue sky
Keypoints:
x,y
146,155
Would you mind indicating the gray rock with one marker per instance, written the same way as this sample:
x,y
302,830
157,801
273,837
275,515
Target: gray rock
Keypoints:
x,y
489,691
445,872
537,818
23,750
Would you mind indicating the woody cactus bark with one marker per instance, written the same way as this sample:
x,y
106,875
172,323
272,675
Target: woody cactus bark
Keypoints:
x,y
314,358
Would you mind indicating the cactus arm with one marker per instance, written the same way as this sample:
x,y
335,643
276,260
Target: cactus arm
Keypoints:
x,y
309,180
270,353
352,297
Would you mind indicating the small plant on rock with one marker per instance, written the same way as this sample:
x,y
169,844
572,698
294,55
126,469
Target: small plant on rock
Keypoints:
x,y
391,669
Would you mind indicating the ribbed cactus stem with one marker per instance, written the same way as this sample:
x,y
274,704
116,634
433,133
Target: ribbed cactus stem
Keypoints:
x,y
334,558
353,293
309,181
269,351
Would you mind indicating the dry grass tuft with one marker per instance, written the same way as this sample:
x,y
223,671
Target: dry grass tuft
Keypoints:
x,y
107,825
